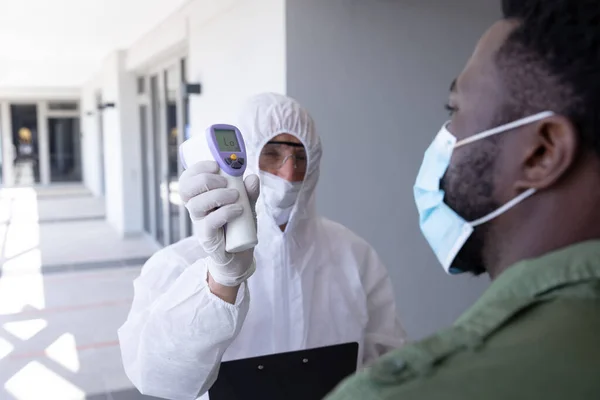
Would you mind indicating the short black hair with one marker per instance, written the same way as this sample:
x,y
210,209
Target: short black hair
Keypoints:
x,y
551,61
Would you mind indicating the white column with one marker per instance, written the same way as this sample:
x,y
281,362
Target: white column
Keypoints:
x,y
122,147
44,148
8,153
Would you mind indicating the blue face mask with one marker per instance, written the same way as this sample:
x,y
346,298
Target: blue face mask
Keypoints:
x,y
445,230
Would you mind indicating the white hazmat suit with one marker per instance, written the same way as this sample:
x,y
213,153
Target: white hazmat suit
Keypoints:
x,y
316,284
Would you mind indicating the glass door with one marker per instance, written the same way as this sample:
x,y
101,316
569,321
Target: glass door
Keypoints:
x,y
146,152
172,80
25,137
158,183
162,118
65,150
184,122
143,115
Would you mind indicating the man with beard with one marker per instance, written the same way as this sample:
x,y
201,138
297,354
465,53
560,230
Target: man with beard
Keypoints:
x,y
511,187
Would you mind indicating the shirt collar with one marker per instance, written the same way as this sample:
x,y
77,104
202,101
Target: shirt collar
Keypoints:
x,y
523,283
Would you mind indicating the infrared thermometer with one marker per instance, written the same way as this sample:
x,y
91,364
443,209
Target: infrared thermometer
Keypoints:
x,y
225,144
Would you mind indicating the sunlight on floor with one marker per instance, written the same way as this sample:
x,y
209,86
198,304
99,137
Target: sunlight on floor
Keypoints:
x,y
35,382
21,288
3,237
64,352
23,233
21,238
24,204
29,262
25,330
5,206
20,254
22,291
58,328
5,348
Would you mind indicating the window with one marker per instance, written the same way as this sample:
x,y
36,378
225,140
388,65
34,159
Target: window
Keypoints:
x,y
63,106
141,85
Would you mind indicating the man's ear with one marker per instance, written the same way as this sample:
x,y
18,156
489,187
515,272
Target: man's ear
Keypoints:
x,y
551,151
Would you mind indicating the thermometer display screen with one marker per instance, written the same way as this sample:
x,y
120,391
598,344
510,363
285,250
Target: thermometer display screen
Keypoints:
x,y
227,140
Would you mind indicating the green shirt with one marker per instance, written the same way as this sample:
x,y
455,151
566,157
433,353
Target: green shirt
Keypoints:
x,y
534,334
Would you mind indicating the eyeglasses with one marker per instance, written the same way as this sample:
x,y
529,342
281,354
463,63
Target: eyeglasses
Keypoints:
x,y
275,154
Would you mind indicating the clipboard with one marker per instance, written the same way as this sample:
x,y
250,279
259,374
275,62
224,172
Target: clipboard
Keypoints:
x,y
299,375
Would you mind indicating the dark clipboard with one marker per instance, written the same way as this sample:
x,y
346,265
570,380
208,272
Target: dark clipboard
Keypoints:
x,y
298,375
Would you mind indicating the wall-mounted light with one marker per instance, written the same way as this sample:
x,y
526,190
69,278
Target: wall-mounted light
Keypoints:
x,y
104,106
188,89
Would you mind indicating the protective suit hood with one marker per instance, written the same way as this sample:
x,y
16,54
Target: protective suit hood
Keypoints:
x,y
265,116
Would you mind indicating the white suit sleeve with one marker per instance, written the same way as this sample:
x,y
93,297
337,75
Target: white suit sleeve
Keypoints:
x,y
177,330
384,331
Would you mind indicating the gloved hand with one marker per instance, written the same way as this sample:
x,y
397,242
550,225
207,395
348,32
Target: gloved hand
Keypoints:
x,y
210,205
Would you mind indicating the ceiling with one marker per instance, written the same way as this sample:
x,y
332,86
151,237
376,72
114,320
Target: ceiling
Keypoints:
x,y
61,43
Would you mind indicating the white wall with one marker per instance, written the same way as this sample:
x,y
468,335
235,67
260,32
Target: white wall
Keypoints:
x,y
33,93
114,165
121,147
45,73
122,150
237,53
61,43
167,37
375,75
131,150
91,141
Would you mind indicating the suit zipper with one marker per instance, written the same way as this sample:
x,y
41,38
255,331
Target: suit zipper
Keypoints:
x,y
285,296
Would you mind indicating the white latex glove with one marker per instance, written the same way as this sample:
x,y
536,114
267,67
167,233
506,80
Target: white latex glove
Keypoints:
x,y
211,207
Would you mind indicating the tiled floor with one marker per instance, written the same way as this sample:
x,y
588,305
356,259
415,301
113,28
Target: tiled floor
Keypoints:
x,y
65,288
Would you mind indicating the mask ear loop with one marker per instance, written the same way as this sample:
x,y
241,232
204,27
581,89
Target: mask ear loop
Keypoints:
x,y
491,132
504,128
504,208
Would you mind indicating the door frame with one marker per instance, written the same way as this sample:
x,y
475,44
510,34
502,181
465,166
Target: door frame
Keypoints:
x,y
43,114
157,136
163,168
76,117
46,172
100,127
185,222
147,158
8,154
43,141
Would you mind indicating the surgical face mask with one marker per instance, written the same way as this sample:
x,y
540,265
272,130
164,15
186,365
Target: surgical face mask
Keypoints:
x,y
279,196
445,230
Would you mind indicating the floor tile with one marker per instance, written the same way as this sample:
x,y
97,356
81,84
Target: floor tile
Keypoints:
x,y
66,287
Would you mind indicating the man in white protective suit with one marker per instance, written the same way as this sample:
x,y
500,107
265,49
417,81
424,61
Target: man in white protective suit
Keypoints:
x,y
309,282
